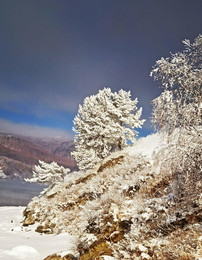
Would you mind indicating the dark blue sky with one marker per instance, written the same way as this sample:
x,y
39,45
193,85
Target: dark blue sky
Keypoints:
x,y
54,53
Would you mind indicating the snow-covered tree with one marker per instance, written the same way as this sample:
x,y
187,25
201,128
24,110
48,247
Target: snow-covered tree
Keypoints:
x,y
179,105
177,111
48,173
104,123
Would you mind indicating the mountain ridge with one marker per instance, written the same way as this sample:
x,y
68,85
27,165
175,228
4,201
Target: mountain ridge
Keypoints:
x,y
26,152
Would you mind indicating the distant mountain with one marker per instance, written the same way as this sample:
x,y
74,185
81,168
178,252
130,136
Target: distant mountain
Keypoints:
x,y
57,146
19,154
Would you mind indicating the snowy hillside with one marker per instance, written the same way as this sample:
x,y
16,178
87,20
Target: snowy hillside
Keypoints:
x,y
130,206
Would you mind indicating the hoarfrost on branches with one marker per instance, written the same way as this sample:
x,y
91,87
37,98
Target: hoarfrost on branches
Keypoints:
x,y
177,111
48,173
180,75
103,125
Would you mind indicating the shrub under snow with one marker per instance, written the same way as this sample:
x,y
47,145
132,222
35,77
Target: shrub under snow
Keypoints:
x,y
48,173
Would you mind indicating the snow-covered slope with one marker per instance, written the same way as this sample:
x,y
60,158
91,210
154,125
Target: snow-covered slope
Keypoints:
x,y
147,145
132,205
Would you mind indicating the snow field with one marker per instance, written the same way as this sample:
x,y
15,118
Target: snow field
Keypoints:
x,y
24,243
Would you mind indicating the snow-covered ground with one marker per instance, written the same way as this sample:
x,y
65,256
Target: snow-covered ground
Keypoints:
x,y
24,243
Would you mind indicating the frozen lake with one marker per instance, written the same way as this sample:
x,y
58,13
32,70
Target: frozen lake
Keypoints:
x,y
17,193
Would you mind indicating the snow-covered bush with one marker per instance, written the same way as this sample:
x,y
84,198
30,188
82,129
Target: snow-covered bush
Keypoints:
x,y
180,75
103,125
48,173
181,153
181,157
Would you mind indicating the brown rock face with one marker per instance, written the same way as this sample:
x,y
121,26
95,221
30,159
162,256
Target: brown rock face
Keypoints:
x,y
44,229
96,250
112,232
56,257
29,218
110,163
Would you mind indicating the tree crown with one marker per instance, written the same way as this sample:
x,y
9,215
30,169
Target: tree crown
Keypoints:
x,y
180,76
103,124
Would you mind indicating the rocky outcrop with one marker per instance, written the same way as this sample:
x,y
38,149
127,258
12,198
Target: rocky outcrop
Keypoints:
x,y
58,257
29,217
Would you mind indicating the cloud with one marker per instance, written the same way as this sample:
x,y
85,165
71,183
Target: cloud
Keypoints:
x,y
10,127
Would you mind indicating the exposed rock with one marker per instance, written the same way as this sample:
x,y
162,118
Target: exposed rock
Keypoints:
x,y
110,163
29,217
44,229
97,249
50,196
85,179
57,257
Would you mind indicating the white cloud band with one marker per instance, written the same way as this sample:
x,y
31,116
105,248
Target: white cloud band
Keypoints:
x,y
10,127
